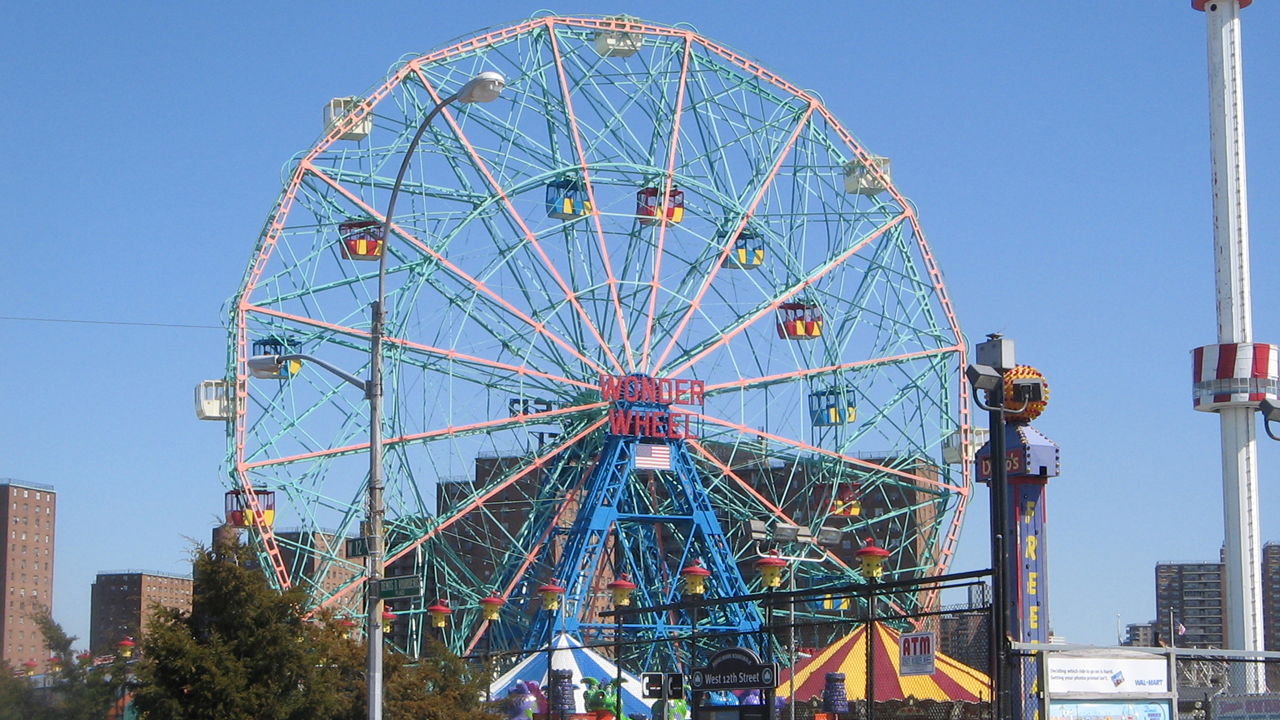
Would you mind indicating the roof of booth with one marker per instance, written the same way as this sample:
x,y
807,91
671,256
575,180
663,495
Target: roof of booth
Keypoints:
x,y
952,680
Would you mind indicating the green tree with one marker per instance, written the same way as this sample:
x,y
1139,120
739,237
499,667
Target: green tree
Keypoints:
x,y
439,686
243,651
78,690
17,701
247,651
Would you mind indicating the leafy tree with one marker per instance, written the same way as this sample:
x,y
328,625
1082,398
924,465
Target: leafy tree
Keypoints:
x,y
17,701
246,651
439,686
79,690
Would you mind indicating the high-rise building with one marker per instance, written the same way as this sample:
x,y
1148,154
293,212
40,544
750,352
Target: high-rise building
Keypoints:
x,y
306,553
1191,596
1271,595
29,515
964,631
123,602
1141,634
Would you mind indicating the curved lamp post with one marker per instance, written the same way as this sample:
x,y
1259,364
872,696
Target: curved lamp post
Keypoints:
x,y
1270,413
483,88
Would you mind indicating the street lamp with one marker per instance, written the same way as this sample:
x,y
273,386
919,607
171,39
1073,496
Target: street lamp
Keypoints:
x,y
483,88
770,567
621,590
490,610
871,565
440,613
126,648
827,537
871,560
994,358
550,595
695,586
1270,413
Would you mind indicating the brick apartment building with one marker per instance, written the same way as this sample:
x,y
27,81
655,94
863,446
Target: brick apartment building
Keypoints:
x,y
29,514
1195,594
122,604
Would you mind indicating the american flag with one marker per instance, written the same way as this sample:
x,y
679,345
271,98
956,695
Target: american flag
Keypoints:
x,y
653,457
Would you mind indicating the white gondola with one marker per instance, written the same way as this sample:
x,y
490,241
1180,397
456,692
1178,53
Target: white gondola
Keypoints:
x,y
338,109
618,42
951,450
213,400
859,180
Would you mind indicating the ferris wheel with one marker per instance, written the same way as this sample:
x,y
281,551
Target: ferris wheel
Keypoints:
x,y
650,294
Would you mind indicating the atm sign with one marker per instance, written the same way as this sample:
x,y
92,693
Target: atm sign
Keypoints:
x,y
916,651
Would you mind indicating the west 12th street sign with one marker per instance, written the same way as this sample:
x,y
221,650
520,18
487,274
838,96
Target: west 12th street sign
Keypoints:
x,y
734,669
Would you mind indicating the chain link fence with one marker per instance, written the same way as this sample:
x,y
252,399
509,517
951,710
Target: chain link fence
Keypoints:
x,y
1197,681
931,664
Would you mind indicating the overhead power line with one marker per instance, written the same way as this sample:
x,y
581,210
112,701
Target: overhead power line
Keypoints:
x,y
111,322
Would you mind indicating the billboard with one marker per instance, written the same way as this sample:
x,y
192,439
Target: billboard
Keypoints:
x,y
1110,710
1110,676
1247,707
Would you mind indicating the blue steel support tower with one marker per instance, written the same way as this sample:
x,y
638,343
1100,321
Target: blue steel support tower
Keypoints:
x,y
645,505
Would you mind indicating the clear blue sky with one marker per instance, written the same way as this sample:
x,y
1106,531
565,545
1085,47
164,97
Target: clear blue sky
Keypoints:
x,y
1058,153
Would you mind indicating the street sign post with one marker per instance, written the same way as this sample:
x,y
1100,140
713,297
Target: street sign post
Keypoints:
x,y
357,547
734,669
399,587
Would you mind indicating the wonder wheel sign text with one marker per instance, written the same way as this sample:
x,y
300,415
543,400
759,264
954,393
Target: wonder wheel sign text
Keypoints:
x,y
640,405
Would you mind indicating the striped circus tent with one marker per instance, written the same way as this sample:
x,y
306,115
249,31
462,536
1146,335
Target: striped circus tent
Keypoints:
x,y
583,662
951,680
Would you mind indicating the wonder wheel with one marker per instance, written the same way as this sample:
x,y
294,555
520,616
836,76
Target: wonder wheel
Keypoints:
x,y
649,294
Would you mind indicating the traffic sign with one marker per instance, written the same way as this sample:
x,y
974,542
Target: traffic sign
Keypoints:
x,y
654,686
399,587
675,685
662,686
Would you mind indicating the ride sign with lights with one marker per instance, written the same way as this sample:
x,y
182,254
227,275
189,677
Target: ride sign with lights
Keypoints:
x,y
640,406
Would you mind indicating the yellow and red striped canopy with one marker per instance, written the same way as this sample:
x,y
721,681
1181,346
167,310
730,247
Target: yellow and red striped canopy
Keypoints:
x,y
951,680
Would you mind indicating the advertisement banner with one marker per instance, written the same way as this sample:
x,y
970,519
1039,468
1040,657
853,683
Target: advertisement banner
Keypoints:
x,y
1110,710
916,653
1113,676
1247,707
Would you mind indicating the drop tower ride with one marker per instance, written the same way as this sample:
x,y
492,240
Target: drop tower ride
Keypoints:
x,y
1231,377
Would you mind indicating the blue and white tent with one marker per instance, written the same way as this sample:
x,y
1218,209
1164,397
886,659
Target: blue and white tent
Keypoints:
x,y
568,654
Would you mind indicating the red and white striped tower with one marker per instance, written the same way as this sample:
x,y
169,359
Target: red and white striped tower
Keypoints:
x,y
1234,375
